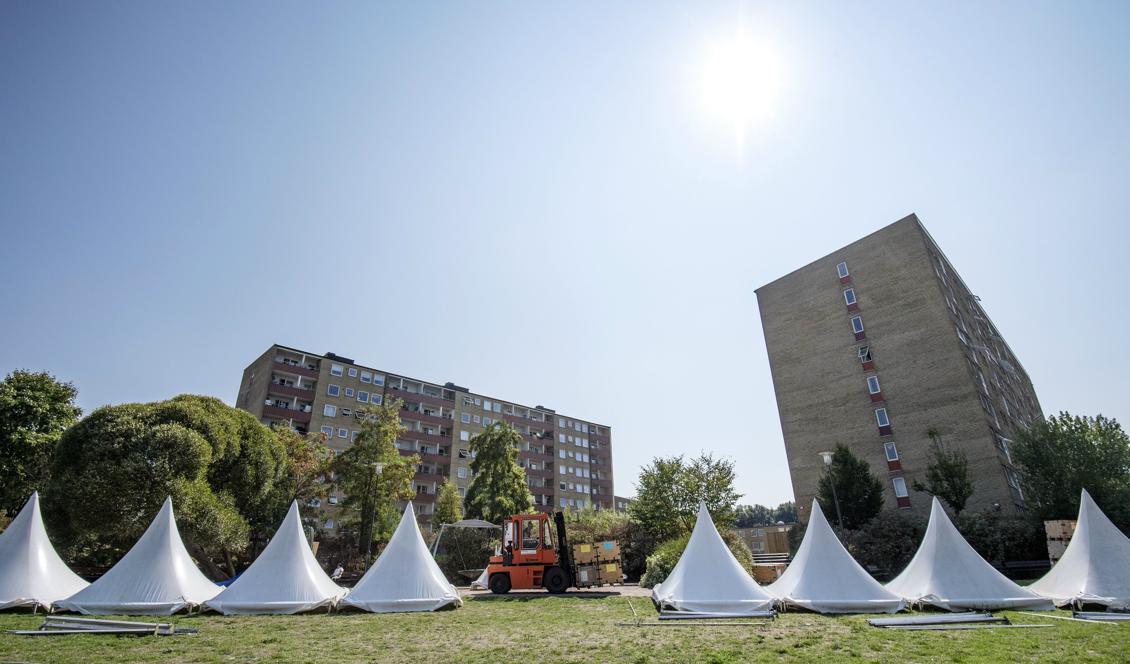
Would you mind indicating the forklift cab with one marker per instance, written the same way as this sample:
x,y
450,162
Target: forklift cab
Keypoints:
x,y
529,557
532,539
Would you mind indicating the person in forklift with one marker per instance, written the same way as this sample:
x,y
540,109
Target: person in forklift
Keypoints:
x,y
508,554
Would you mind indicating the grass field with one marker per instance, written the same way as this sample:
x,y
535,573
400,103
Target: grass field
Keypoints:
x,y
548,629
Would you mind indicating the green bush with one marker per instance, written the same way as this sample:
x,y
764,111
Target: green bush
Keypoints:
x,y
1000,537
660,563
886,543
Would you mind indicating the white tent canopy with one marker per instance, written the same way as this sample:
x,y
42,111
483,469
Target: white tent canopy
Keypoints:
x,y
708,578
947,573
405,576
1095,569
285,578
156,576
31,573
823,576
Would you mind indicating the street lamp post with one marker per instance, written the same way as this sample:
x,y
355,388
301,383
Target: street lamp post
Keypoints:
x,y
827,456
375,468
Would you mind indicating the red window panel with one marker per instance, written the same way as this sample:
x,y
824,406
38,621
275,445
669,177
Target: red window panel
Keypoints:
x,y
877,397
854,306
885,431
845,280
860,336
894,465
869,365
903,502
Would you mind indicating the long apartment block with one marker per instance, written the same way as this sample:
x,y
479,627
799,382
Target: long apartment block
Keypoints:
x,y
568,460
877,346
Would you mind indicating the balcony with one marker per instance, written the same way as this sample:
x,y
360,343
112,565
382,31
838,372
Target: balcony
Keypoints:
x,y
294,369
541,491
429,477
409,414
425,437
291,391
404,394
538,472
424,498
286,414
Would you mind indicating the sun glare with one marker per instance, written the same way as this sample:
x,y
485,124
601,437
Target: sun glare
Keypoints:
x,y
740,81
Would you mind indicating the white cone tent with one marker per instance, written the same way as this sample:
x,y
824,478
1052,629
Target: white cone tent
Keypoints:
x,y
405,576
823,576
155,577
285,578
1095,569
482,581
708,578
31,573
948,573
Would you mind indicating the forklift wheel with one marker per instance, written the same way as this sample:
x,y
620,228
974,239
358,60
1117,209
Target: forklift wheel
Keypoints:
x,y
555,580
500,584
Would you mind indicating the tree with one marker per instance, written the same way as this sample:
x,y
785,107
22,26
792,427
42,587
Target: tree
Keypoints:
x,y
785,512
947,475
1064,454
114,468
374,475
858,491
308,462
748,516
35,409
449,506
669,490
498,488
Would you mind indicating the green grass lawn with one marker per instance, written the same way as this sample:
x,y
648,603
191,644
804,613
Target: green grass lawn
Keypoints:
x,y
548,629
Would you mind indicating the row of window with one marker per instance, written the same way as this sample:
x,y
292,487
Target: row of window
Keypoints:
x,y
571,502
362,395
363,376
570,454
571,470
578,488
580,442
342,432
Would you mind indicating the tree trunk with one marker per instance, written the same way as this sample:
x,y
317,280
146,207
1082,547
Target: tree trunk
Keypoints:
x,y
207,565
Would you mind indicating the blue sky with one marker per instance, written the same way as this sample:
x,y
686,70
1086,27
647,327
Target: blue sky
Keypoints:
x,y
531,200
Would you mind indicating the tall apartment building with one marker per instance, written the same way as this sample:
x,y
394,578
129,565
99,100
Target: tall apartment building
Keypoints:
x,y
568,461
877,345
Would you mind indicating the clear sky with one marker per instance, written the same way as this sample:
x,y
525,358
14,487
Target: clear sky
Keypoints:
x,y
538,202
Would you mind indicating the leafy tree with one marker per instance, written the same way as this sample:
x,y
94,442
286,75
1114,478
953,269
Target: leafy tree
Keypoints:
x,y
748,516
498,488
999,537
947,475
114,468
859,492
308,463
1059,457
669,490
374,475
785,512
35,409
449,507
885,543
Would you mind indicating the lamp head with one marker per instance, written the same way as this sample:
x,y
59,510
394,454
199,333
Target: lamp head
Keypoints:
x,y
827,456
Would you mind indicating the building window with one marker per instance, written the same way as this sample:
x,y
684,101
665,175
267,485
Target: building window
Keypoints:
x,y
366,377
873,384
849,296
462,492
352,372
343,433
881,417
465,418
900,487
497,407
465,435
333,390
362,396
345,412
857,324
336,369
353,436
891,452
461,473
486,404
865,353
376,398
328,432
842,270
378,379
329,410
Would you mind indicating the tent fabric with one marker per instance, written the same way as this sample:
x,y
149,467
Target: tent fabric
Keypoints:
x,y
156,577
482,581
948,573
284,579
708,578
405,577
31,572
1095,568
823,576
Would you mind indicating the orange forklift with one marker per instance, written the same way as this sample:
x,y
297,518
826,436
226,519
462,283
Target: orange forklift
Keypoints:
x,y
529,558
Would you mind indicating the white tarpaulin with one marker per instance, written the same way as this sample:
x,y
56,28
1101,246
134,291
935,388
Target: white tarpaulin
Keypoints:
x,y
1095,568
947,573
156,577
708,578
482,581
285,578
823,576
31,572
405,576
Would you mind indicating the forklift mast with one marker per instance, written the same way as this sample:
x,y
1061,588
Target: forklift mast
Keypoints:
x,y
564,551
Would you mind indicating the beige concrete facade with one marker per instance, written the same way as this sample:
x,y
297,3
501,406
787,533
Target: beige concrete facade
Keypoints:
x,y
936,363
568,461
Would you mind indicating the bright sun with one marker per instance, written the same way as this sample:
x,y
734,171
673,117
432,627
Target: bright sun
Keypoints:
x,y
740,82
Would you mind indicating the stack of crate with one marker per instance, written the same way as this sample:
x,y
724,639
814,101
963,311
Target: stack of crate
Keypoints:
x,y
1059,534
598,564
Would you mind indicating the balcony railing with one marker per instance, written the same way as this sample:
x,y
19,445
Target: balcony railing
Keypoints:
x,y
291,391
286,413
295,369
